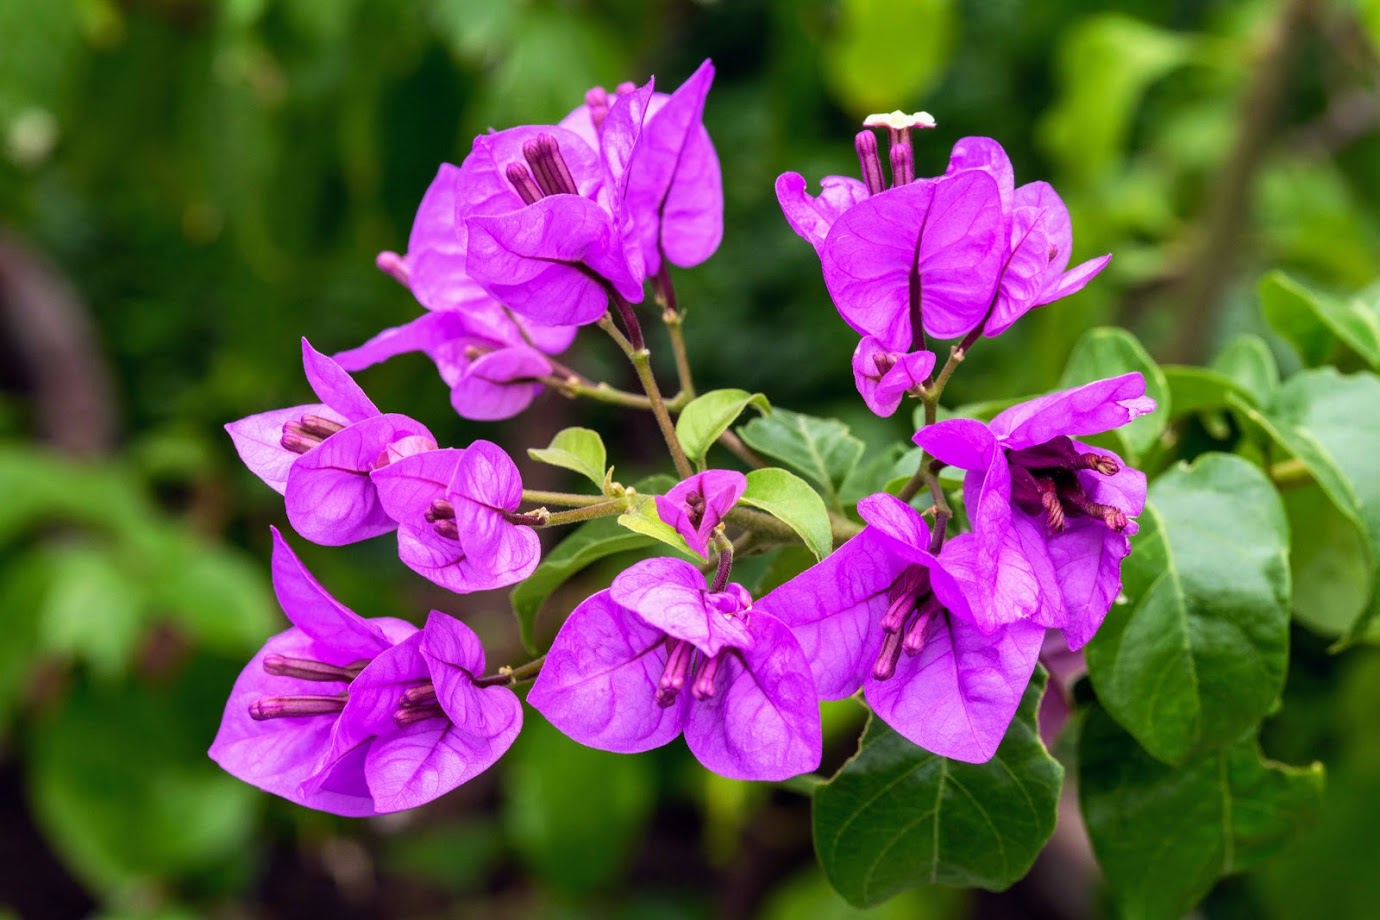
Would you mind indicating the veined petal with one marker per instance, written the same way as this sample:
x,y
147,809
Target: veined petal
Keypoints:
x,y
959,694
811,217
670,595
424,334
986,155
334,387
485,484
344,636
599,681
259,441
1089,409
762,722
499,384
407,487
899,522
622,135
962,442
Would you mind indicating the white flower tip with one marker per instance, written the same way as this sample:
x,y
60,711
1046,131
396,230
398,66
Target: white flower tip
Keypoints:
x,y
898,120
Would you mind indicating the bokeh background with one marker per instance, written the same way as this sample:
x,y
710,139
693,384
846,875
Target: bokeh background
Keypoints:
x,y
189,186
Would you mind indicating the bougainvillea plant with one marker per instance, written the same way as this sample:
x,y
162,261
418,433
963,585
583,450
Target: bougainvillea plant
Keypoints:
x,y
996,542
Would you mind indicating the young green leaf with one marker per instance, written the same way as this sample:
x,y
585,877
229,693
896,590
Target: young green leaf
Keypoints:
x,y
1164,835
708,416
641,517
1313,322
1198,654
577,449
897,816
789,498
823,450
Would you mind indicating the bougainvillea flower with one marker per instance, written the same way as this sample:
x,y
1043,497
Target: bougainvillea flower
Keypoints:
x,y
885,614
319,456
697,505
884,377
548,230
675,191
416,725
1041,238
930,251
452,508
657,654
1051,516
812,216
284,707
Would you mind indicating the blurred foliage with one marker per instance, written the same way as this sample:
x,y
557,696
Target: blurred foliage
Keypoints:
x,y
215,178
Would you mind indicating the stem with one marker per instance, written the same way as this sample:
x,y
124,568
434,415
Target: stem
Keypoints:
x,y
588,513
569,499
1290,474
725,550
574,387
508,676
735,446
673,321
641,360
942,512
629,318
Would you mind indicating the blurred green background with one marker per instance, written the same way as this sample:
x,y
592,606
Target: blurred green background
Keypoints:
x,y
189,186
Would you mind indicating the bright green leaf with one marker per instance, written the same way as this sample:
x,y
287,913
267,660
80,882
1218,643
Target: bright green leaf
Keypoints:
x,y
1198,389
789,498
94,609
897,816
708,416
823,450
1249,361
1109,352
1198,654
1164,835
1312,321
641,517
577,449
883,52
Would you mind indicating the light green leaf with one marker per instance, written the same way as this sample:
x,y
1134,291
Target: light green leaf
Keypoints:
x,y
94,609
1198,653
883,52
789,498
1249,361
1164,835
1198,389
708,416
577,449
642,518
1312,321
897,816
823,450
1109,352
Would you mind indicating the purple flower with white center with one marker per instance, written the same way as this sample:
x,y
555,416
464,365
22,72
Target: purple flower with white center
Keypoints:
x,y
697,505
1041,238
284,707
319,456
547,227
675,191
1051,516
467,327
658,653
455,511
886,614
884,377
417,724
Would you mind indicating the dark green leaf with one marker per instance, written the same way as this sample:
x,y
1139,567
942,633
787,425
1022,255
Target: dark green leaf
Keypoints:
x,y
789,498
577,449
872,474
1312,321
1164,834
1109,352
823,450
708,416
897,816
1198,654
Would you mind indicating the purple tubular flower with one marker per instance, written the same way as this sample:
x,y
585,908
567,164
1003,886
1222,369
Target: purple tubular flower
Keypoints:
x,y
1041,238
286,703
885,614
1051,516
555,259
697,505
811,217
674,188
416,725
320,456
451,507
884,377
929,251
657,654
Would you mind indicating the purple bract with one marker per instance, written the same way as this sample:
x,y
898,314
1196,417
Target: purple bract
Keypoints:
x,y
697,505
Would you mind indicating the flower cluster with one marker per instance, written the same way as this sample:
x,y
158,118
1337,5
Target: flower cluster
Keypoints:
x,y
545,229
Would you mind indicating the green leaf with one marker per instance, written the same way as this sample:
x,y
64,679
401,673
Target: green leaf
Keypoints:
x,y
573,813
1323,418
872,474
1313,322
1330,562
897,816
1249,361
708,416
577,449
94,609
884,52
1109,352
1198,389
789,498
1198,654
1164,835
586,545
641,517
823,450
